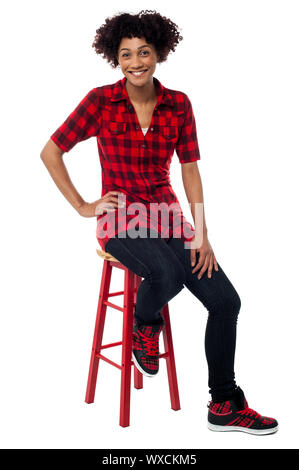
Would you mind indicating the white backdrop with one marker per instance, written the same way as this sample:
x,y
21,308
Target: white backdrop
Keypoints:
x,y
238,64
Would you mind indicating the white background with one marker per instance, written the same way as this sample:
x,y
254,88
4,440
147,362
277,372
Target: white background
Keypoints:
x,y
238,63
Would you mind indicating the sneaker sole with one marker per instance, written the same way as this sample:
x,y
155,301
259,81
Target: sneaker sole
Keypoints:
x,y
140,369
215,427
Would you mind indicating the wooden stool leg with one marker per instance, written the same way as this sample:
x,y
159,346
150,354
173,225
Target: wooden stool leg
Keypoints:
x,y
170,361
138,377
98,332
126,362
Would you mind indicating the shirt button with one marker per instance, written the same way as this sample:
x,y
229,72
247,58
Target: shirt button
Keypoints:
x,y
137,127
143,146
152,128
130,107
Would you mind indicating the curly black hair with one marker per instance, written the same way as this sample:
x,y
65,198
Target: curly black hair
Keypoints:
x,y
157,30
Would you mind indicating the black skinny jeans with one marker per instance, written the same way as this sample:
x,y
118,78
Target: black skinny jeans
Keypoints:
x,y
166,269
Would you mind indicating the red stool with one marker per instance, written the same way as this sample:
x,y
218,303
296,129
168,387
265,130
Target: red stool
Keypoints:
x,y
131,284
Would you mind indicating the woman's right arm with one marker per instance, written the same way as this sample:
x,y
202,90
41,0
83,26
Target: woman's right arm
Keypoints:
x,y
52,157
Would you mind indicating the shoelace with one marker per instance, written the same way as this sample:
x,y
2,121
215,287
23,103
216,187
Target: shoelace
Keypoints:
x,y
151,345
249,412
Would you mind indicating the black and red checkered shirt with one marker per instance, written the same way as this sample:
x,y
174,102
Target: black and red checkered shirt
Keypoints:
x,y
134,163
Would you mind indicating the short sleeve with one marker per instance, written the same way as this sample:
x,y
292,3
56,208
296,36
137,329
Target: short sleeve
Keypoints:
x,y
187,145
81,124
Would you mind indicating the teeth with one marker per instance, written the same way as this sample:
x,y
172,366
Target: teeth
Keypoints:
x,y
138,73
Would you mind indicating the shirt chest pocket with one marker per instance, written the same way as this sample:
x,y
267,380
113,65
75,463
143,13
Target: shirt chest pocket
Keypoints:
x,y
117,128
169,133
113,128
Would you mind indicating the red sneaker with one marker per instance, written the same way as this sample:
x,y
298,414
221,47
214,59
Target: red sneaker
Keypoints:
x,y
145,349
235,415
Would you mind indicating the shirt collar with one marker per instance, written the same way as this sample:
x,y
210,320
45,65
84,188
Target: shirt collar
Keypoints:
x,y
119,92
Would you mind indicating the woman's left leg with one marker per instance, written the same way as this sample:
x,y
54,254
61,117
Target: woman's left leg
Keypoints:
x,y
223,303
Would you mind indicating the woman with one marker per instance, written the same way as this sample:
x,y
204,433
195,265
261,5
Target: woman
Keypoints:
x,y
138,124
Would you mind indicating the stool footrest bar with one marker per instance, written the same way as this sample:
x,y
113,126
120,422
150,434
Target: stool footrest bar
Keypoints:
x,y
110,304
164,355
111,345
112,294
100,356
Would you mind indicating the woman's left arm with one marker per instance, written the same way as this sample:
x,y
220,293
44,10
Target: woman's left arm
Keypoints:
x,y
194,192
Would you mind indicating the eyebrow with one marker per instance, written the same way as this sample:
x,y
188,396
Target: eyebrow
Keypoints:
x,y
127,49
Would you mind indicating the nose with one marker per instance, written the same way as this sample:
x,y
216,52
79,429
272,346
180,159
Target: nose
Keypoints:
x,y
136,63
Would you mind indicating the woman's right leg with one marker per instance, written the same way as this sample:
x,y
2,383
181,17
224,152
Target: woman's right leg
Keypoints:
x,y
152,259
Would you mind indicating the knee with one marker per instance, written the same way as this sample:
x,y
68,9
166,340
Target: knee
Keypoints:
x,y
228,305
235,303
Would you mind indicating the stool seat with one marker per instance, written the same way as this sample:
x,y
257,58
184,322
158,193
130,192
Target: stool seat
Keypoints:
x,y
105,255
129,292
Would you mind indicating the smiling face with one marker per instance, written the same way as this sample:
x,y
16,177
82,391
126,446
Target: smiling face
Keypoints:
x,y
136,55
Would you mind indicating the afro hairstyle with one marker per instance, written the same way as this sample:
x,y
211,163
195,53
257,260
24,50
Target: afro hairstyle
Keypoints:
x,y
157,30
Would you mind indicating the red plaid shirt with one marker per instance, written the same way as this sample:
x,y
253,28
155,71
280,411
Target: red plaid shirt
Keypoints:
x,y
134,163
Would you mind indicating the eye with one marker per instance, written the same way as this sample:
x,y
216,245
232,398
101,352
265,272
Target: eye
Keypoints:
x,y
125,54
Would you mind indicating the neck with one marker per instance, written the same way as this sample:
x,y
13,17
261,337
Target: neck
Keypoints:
x,y
141,95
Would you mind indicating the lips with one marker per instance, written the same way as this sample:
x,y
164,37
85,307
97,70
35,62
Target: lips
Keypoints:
x,y
138,73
